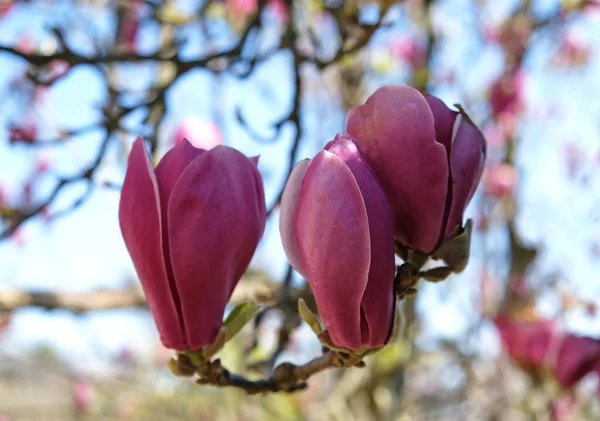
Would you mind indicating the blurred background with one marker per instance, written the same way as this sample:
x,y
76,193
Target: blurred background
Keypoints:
x,y
514,337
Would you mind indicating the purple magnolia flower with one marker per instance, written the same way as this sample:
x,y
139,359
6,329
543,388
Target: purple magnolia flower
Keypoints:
x,y
428,158
191,227
336,227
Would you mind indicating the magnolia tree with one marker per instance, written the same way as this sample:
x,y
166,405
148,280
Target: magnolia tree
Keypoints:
x,y
383,118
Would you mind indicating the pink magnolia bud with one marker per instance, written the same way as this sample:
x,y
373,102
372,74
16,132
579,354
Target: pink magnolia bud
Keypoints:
x,y
336,227
191,227
500,180
428,159
527,342
200,133
83,395
577,357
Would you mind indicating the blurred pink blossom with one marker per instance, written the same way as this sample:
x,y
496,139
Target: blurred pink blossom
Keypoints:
x,y
83,395
242,7
5,7
500,180
539,346
130,25
42,163
26,43
527,342
506,93
18,237
200,133
408,49
495,136
279,10
26,133
574,48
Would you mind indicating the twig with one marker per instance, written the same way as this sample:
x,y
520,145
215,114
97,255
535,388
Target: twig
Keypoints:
x,y
286,377
254,287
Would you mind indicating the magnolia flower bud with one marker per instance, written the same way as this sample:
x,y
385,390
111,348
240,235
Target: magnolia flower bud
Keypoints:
x,y
428,158
336,227
191,227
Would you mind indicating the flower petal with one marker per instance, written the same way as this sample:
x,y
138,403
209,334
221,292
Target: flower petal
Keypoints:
x,y
577,357
140,220
172,165
395,132
333,240
444,121
216,218
287,215
378,299
467,159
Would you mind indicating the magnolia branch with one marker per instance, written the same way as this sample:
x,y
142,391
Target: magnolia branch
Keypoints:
x,y
287,377
253,287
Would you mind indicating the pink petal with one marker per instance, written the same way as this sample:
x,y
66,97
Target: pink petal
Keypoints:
x,y
444,121
172,165
577,357
378,299
333,239
395,132
466,165
140,220
216,218
287,215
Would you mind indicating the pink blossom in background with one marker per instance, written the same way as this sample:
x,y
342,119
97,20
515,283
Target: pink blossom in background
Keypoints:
x,y
495,136
26,133
427,157
191,227
200,133
26,43
506,93
408,49
5,317
540,346
527,342
83,395
5,7
279,10
242,7
577,357
18,237
337,231
500,180
574,48
130,25
561,409
42,163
